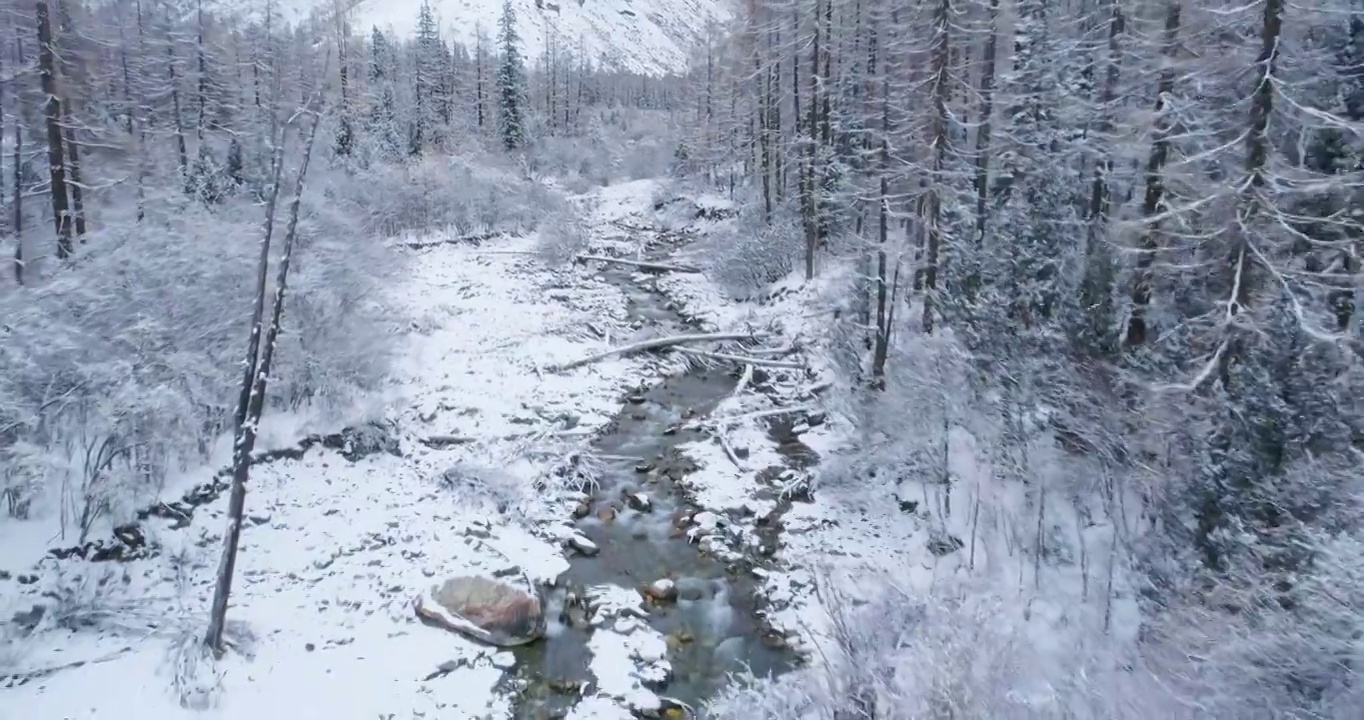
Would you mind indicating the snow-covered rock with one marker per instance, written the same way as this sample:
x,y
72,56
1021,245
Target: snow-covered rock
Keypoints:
x,y
491,611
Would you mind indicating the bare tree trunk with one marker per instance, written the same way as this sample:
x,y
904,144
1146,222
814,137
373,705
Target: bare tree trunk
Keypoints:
x,y
56,156
18,216
131,108
183,152
774,122
812,176
885,310
987,95
1155,183
478,75
764,123
930,206
252,402
142,121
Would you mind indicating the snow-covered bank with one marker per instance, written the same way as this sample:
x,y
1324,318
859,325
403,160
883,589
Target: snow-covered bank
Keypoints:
x,y
335,550
738,477
908,522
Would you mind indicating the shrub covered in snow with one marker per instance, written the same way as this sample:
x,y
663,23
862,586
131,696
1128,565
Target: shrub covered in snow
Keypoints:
x,y
618,144
563,235
746,256
123,366
442,193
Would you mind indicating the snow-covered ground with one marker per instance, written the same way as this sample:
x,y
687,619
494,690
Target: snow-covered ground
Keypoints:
x,y
335,551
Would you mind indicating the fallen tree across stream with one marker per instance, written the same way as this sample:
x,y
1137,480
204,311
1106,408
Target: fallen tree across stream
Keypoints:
x,y
760,362
641,264
654,344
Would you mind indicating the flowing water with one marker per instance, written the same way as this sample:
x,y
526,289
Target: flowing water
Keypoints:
x,y
712,628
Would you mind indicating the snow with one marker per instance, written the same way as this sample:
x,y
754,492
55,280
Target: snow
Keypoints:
x,y
646,36
624,658
335,551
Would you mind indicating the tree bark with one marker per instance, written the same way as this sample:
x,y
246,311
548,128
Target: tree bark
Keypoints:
x,y
56,156
987,96
74,166
930,207
1137,329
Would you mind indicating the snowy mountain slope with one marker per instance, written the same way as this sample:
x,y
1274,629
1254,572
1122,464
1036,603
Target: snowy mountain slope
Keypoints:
x,y
646,36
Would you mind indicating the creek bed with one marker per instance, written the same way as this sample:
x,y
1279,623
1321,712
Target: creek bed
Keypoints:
x,y
712,627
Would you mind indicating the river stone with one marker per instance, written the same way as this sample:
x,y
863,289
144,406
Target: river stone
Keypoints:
x,y
662,590
638,501
488,610
582,545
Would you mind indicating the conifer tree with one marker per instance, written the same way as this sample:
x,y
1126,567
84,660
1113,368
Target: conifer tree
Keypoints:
x,y
511,83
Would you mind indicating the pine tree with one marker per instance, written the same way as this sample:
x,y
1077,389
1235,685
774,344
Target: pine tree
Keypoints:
x,y
511,83
428,67
382,119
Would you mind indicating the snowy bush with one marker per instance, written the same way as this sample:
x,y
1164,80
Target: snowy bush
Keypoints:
x,y
122,366
442,193
625,144
747,256
482,484
563,236
960,653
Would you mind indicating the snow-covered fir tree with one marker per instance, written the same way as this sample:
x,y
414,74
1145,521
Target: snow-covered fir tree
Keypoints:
x,y
511,82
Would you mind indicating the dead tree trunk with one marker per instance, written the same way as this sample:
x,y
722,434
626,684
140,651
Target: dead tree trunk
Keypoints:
x,y
181,150
73,158
987,95
71,72
252,403
56,156
1155,184
885,302
19,258
930,207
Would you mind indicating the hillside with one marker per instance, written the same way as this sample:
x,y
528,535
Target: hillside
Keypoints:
x,y
645,36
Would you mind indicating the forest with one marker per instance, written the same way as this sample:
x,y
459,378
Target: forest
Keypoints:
x,y
1113,247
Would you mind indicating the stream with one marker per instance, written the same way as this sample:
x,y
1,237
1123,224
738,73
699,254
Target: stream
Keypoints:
x,y
637,517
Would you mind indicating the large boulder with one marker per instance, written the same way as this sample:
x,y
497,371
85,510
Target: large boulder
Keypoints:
x,y
486,609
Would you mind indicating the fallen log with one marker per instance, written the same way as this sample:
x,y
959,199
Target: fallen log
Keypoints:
x,y
722,428
778,351
775,412
760,362
654,344
440,441
636,228
716,420
641,264
474,239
